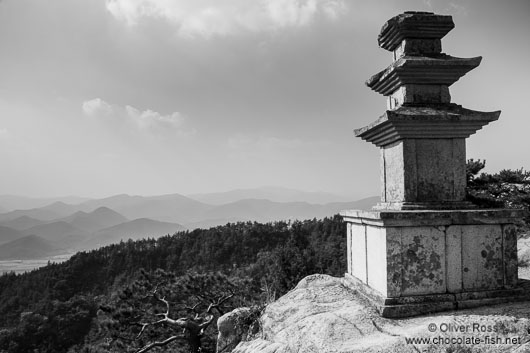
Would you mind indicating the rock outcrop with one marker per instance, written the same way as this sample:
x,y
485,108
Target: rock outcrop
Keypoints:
x,y
235,326
321,314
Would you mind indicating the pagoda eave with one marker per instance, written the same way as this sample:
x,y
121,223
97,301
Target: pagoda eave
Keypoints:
x,y
442,70
425,123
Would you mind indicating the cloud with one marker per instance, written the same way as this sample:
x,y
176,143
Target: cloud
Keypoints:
x,y
149,119
459,9
95,107
206,18
146,120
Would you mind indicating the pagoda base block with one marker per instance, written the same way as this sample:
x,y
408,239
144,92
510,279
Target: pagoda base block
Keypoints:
x,y
420,261
426,304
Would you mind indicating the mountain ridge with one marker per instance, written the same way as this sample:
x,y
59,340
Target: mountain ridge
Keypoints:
x,y
102,217
8,234
22,222
16,202
28,247
134,229
272,193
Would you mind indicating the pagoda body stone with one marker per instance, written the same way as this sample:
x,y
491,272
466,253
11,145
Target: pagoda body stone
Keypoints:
x,y
424,248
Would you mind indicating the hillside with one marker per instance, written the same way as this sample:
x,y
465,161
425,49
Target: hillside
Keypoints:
x,y
85,230
22,222
60,208
100,218
9,234
59,231
167,208
37,213
28,247
215,249
135,230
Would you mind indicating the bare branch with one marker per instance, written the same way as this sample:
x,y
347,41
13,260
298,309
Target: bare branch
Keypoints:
x,y
146,324
193,308
159,344
217,305
188,328
205,324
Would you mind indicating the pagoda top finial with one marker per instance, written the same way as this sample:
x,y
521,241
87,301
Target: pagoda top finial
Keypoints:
x,y
420,73
427,27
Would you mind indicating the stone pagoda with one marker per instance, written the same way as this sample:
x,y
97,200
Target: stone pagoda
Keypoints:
x,y
424,248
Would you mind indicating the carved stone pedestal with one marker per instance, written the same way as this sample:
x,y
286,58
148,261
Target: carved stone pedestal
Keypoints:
x,y
412,262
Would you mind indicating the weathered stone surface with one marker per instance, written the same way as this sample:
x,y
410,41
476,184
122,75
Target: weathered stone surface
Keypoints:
x,y
358,254
323,315
262,346
453,256
422,94
414,46
424,171
349,256
422,26
390,218
233,327
421,70
376,259
482,255
312,315
394,261
423,261
510,258
394,172
436,122
430,254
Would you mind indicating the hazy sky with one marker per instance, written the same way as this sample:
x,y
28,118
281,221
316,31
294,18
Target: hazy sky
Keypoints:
x,y
99,97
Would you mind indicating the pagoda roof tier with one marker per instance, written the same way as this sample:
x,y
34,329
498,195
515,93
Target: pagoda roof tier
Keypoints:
x,y
414,122
422,70
416,25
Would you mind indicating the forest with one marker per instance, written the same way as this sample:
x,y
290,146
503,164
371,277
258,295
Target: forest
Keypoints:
x,y
54,309
137,295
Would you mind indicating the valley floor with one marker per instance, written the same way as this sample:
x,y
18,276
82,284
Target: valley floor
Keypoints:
x,y
21,266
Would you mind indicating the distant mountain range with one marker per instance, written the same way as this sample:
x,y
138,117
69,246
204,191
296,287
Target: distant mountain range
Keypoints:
x,y
265,211
102,217
79,231
14,202
28,247
271,193
59,232
167,208
135,230
8,234
87,224
22,222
